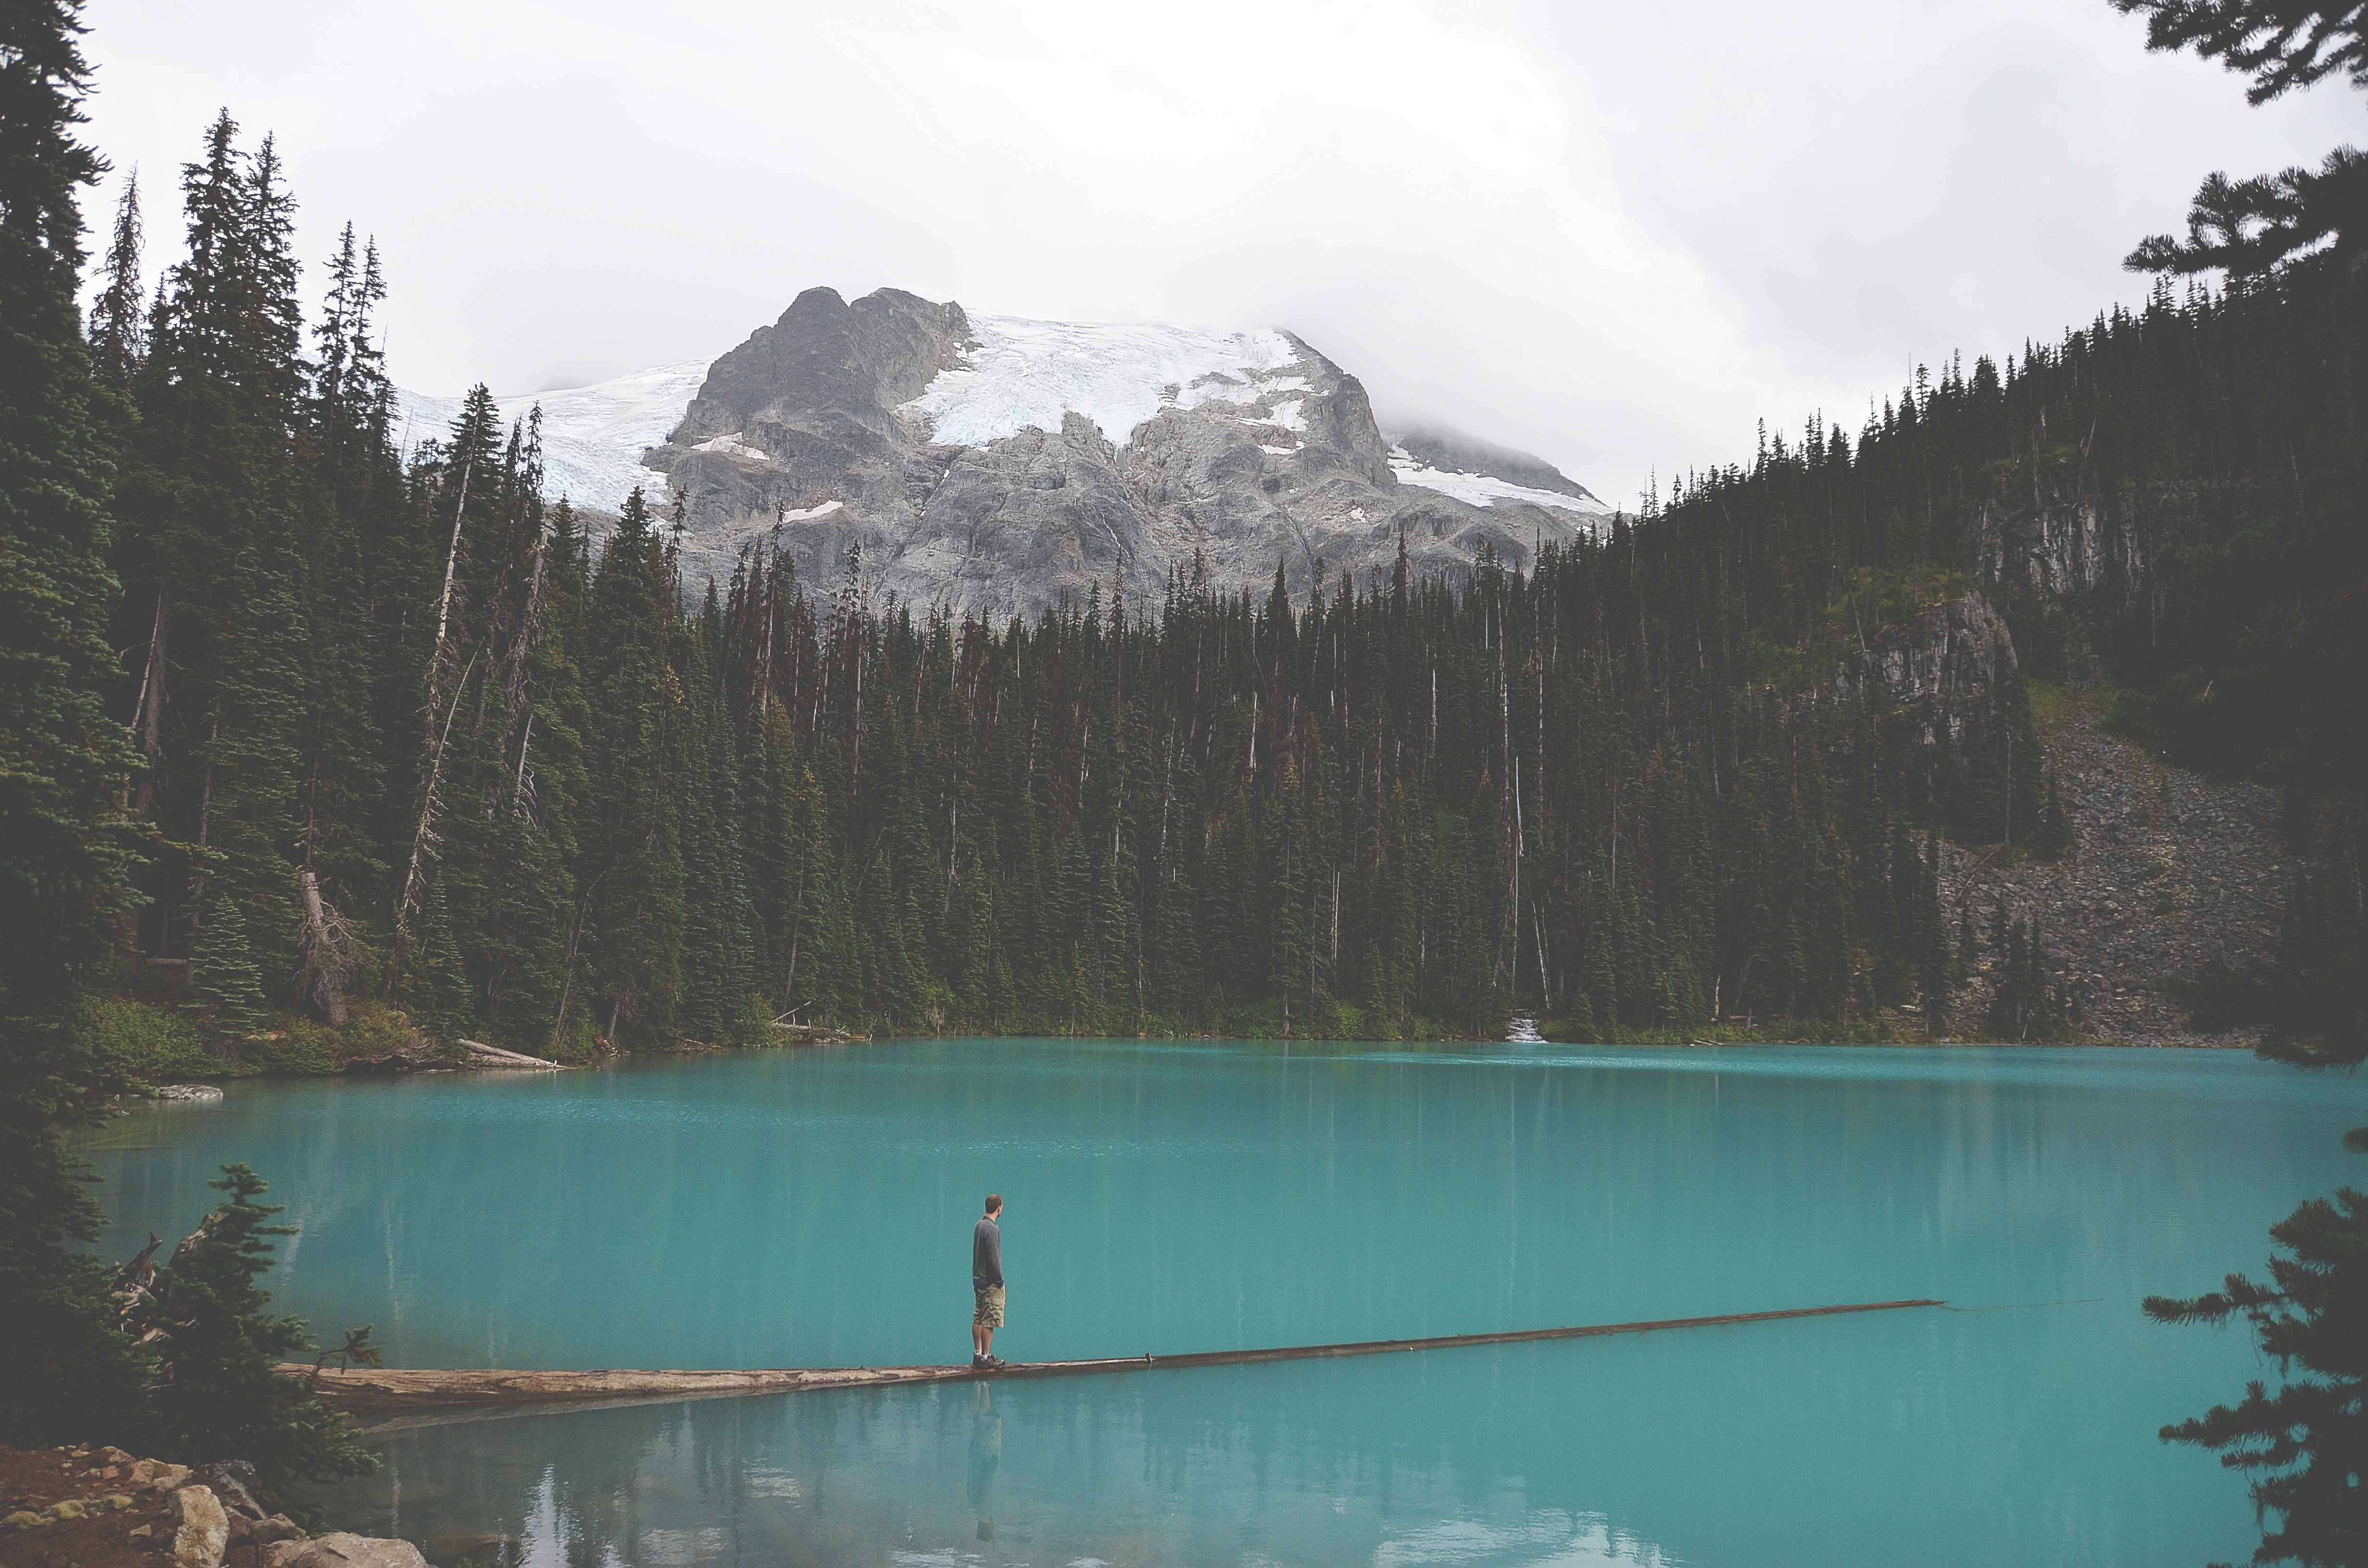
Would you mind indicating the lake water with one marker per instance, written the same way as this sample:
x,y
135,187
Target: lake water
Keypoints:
x,y
813,1208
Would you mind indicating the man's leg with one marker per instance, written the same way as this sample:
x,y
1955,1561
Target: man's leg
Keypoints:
x,y
986,1342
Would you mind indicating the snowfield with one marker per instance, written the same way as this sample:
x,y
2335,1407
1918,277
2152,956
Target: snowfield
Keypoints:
x,y
1024,373
593,438
1484,490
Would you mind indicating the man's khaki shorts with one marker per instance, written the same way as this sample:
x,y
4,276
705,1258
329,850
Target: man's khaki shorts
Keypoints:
x,y
989,1312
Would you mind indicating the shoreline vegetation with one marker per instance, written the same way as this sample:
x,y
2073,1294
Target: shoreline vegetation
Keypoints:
x,y
158,1048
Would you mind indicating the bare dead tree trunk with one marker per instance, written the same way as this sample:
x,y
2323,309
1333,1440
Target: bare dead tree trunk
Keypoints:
x,y
423,834
444,604
327,951
423,837
148,718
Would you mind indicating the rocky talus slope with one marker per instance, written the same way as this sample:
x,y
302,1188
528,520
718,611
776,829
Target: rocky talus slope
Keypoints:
x,y
2169,871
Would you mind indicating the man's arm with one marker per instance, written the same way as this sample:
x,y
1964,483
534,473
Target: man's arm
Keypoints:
x,y
995,1255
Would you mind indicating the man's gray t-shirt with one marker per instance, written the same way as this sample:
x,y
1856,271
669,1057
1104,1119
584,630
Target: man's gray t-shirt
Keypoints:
x,y
986,1255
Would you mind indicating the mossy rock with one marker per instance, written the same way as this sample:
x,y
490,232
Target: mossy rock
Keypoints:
x,y
23,1520
71,1509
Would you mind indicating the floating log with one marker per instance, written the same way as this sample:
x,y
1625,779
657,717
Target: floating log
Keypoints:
x,y
409,1387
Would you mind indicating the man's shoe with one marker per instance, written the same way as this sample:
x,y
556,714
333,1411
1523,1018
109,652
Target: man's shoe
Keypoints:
x,y
977,1361
995,1363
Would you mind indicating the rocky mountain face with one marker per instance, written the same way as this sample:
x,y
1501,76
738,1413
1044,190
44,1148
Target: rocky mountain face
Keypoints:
x,y
1954,649
998,466
2169,870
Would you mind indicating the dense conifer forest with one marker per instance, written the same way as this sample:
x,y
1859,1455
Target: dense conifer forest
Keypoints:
x,y
414,740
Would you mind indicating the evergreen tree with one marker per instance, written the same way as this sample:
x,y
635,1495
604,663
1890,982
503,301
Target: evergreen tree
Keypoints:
x,y
63,764
118,338
2251,227
2303,1444
224,971
218,1345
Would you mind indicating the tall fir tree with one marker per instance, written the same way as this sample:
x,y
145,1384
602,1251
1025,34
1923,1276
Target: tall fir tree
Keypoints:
x,y
63,843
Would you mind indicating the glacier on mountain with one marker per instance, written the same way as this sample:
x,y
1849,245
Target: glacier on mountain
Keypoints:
x,y
593,438
1018,375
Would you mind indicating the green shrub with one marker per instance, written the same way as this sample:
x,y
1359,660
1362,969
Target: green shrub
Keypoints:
x,y
155,1044
303,1047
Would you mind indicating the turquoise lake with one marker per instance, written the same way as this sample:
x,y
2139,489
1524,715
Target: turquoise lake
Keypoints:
x,y
813,1208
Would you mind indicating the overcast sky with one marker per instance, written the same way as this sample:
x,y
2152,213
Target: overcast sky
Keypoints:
x,y
1615,234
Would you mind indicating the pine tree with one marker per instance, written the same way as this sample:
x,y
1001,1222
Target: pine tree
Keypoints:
x,y
218,1348
223,973
118,337
63,845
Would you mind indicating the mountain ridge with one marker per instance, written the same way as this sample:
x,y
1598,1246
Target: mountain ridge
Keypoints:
x,y
999,465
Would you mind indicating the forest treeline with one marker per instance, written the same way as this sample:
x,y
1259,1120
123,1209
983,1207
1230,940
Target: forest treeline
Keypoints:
x,y
411,736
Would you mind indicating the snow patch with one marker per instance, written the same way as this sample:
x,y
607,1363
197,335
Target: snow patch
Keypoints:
x,y
1484,490
593,438
732,445
1277,451
1023,374
810,513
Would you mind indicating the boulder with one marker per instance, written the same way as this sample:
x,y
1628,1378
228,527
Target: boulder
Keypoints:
x,y
203,1533
233,1483
340,1550
277,1529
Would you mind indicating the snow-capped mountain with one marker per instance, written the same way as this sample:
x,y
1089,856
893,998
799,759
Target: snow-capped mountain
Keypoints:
x,y
997,465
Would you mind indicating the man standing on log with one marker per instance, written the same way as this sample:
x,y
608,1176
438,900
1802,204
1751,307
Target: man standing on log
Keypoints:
x,y
987,1283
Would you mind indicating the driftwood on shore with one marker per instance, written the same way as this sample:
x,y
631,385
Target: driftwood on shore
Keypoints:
x,y
410,1388
494,1056
817,1034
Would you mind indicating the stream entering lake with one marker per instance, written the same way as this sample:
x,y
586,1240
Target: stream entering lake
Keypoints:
x,y
813,1208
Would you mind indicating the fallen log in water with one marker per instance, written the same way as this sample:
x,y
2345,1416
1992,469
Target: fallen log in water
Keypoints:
x,y
407,1388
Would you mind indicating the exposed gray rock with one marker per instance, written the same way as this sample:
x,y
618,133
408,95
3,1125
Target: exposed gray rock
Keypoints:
x,y
1956,649
1455,452
2170,870
202,1533
275,1528
233,1483
968,463
342,1549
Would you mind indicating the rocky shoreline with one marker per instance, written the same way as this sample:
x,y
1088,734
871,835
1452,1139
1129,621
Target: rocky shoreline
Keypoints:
x,y
95,1507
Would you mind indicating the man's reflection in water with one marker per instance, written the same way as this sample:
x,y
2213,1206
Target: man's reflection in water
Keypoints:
x,y
985,1454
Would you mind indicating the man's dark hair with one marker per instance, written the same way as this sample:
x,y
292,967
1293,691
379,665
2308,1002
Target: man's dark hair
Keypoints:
x,y
994,1204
